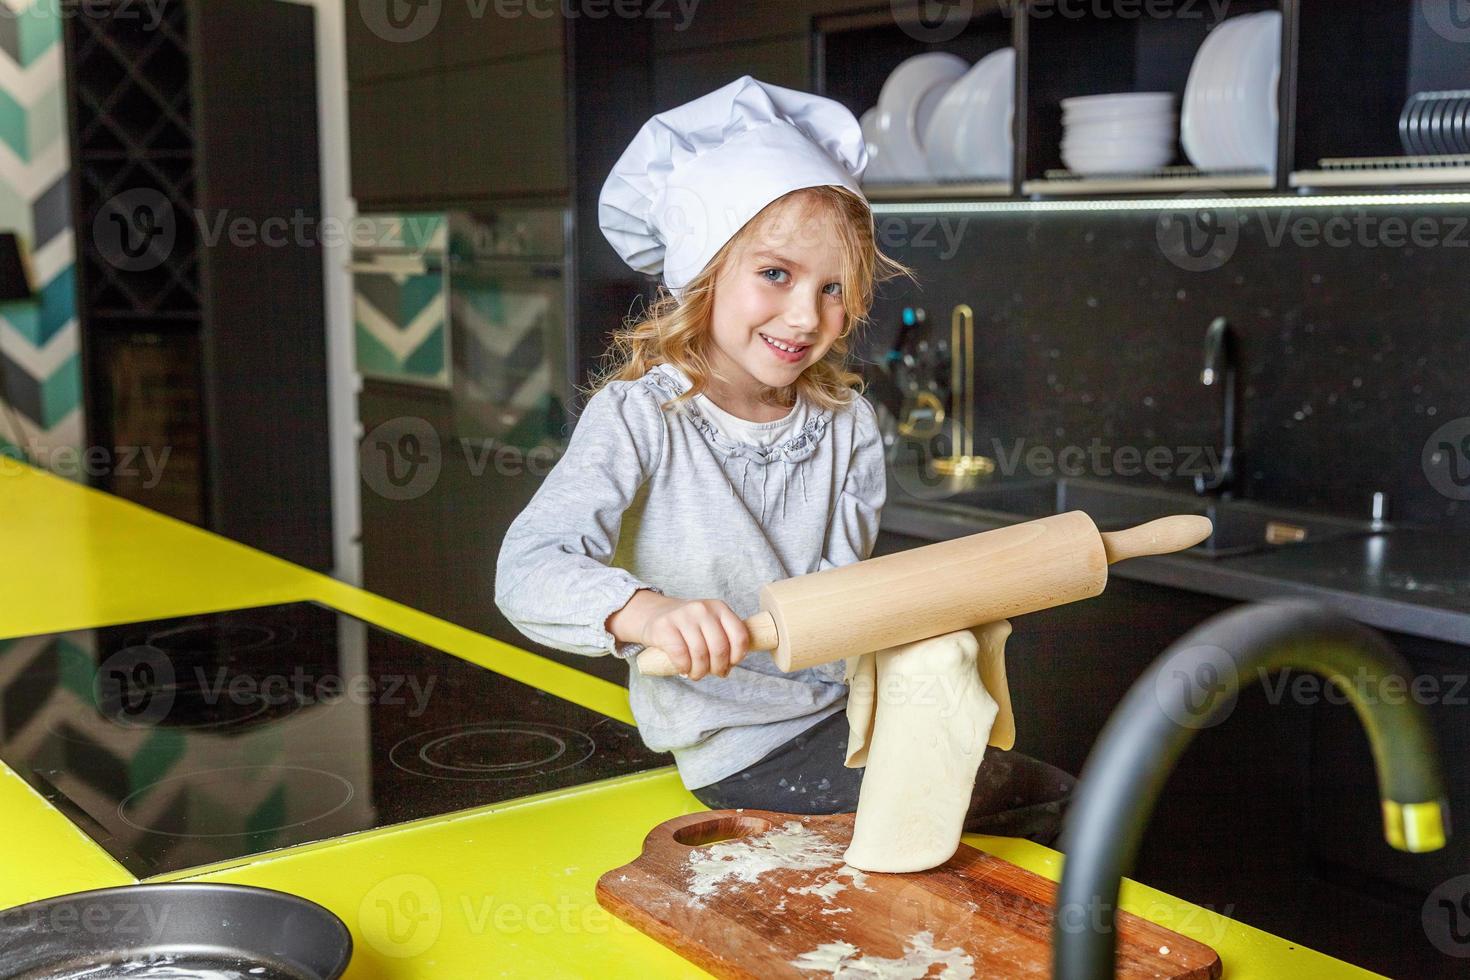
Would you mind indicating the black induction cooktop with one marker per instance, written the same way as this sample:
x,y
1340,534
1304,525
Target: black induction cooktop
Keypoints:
x,y
182,742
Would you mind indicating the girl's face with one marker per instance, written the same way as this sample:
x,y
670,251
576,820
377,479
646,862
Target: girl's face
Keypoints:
x,y
778,306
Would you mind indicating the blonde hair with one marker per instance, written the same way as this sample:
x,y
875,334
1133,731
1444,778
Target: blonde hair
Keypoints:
x,y
677,332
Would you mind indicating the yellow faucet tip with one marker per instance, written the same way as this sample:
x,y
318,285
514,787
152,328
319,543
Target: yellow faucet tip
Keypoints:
x,y
1415,827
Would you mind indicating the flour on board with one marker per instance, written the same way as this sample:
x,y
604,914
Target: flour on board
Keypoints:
x,y
791,846
844,961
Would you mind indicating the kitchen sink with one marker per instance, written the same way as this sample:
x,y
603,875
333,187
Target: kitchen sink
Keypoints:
x,y
1241,526
1111,506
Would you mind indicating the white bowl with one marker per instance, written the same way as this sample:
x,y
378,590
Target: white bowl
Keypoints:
x,y
1122,129
1133,159
909,96
1120,112
1229,119
1116,100
879,166
969,135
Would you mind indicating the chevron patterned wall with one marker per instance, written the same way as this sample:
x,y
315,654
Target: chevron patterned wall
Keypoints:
x,y
38,341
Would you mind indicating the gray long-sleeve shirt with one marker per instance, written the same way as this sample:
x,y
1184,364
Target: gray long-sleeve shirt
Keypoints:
x,y
648,498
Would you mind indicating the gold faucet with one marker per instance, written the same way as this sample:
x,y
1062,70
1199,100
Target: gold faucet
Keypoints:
x,y
963,462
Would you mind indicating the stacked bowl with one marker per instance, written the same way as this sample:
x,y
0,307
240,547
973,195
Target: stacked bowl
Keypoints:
x,y
1122,133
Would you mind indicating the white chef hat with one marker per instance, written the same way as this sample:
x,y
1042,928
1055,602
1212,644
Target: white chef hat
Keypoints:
x,y
695,174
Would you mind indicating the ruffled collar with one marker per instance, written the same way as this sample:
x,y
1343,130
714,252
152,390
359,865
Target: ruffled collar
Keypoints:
x,y
801,444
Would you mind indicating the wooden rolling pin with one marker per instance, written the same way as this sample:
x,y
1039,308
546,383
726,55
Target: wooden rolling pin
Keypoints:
x,y
942,587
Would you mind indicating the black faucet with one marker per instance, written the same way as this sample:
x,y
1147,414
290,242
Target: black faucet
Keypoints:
x,y
1194,686
1219,370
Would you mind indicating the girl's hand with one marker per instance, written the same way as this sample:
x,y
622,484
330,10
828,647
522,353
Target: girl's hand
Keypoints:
x,y
701,636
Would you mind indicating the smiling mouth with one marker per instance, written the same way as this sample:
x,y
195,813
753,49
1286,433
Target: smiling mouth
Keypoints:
x,y
785,347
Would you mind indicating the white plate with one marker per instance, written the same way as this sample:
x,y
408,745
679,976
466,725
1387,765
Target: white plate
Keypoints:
x,y
1255,103
1229,120
1198,116
878,168
908,98
969,135
1228,94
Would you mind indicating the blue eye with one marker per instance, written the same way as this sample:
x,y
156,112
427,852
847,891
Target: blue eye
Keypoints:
x,y
779,271
839,288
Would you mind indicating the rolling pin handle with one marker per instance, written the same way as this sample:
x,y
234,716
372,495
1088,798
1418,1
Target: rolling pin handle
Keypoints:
x,y
1161,537
653,662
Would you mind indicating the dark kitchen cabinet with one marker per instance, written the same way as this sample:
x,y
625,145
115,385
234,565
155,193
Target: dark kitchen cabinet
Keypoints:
x,y
397,138
475,109
195,206
475,33
682,75
505,128
376,49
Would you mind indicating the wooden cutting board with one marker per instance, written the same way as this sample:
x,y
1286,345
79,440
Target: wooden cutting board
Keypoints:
x,y
757,894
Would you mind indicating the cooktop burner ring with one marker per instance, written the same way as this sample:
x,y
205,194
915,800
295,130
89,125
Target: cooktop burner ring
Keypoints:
x,y
238,637
191,780
423,754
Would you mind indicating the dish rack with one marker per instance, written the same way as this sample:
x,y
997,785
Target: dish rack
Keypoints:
x,y
1386,170
1180,176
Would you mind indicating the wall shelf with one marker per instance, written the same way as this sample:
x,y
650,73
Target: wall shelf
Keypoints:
x,y
937,191
1385,172
1389,51
1182,179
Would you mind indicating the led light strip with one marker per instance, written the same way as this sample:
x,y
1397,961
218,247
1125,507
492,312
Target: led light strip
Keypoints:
x,y
1173,203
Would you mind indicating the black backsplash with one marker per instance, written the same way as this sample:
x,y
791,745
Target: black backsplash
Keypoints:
x,y
1351,355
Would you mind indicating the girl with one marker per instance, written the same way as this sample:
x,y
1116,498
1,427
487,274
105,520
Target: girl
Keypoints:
x,y
725,448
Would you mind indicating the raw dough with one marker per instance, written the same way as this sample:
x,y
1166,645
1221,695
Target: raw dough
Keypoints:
x,y
861,677
920,715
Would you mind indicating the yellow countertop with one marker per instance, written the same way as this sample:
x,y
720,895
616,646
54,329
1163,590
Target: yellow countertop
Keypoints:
x,y
501,890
